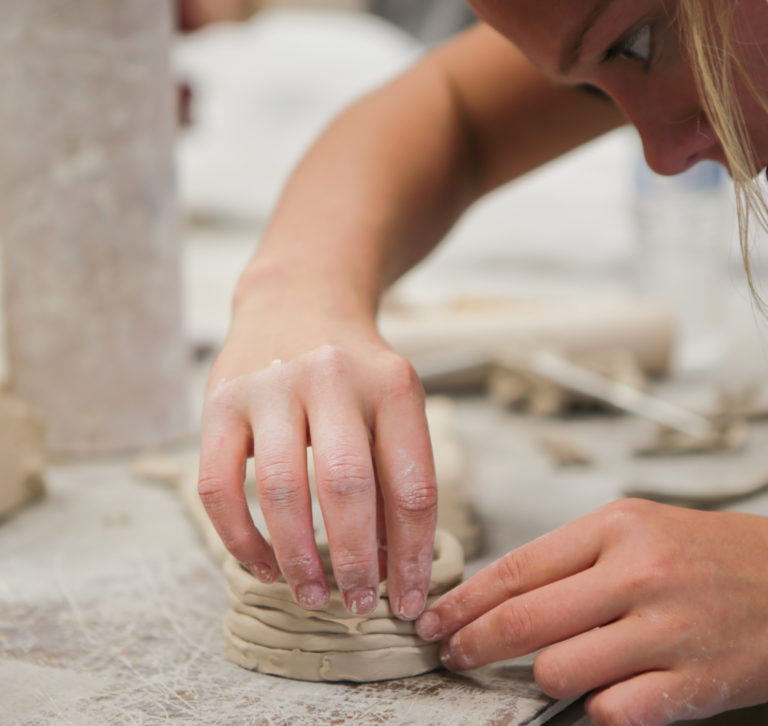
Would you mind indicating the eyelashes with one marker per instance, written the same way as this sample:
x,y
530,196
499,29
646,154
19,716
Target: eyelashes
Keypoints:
x,y
636,47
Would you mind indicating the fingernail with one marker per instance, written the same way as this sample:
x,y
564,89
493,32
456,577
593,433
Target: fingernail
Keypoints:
x,y
428,626
411,605
263,572
362,601
312,595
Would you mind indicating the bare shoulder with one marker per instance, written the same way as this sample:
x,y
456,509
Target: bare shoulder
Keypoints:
x,y
519,117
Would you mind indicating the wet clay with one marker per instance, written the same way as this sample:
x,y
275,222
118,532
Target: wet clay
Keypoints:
x,y
267,631
22,454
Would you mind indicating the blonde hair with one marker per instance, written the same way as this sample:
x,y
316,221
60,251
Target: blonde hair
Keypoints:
x,y
716,59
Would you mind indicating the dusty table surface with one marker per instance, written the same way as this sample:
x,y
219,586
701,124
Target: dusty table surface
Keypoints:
x,y
110,613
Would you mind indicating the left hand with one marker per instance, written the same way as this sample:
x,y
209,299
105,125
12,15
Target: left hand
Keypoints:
x,y
663,610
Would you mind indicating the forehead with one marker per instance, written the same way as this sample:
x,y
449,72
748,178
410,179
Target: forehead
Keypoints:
x,y
542,29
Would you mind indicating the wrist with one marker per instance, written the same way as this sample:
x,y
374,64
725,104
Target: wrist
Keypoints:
x,y
309,288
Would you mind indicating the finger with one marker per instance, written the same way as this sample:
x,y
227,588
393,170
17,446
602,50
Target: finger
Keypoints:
x,y
534,620
409,490
656,698
224,448
345,484
280,464
556,555
602,656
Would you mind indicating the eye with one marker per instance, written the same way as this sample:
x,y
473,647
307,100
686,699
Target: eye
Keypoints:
x,y
635,47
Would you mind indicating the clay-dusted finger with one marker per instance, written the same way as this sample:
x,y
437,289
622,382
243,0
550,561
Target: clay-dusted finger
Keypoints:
x,y
534,620
605,655
280,466
409,488
553,556
347,496
224,448
344,476
655,698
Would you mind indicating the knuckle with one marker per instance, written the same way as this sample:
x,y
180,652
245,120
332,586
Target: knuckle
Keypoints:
x,y
345,476
516,625
659,566
510,570
350,569
402,379
550,676
623,514
417,498
328,361
278,484
212,491
223,398
649,575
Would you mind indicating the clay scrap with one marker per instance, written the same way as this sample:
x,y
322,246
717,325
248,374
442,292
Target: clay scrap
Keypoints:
x,y
22,454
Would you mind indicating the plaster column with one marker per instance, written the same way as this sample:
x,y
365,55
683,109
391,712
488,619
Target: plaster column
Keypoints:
x,y
88,222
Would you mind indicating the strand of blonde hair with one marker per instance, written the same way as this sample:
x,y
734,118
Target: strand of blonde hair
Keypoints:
x,y
707,30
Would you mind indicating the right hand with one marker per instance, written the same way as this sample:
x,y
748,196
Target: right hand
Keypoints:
x,y
289,376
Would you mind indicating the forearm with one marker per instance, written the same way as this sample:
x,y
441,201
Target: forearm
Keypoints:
x,y
376,192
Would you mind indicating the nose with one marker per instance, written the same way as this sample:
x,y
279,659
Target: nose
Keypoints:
x,y
669,117
673,145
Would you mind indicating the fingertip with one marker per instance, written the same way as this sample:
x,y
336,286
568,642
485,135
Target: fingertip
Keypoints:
x,y
411,605
453,657
361,601
263,572
409,576
428,626
312,595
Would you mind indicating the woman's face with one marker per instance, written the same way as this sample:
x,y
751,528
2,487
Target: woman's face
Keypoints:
x,y
630,49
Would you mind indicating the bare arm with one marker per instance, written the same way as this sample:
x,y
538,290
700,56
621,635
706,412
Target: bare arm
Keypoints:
x,y
391,175
303,361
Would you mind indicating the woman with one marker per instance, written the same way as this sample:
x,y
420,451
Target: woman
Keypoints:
x,y
662,612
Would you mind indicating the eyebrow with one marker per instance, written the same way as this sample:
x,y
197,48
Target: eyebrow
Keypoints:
x,y
572,47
